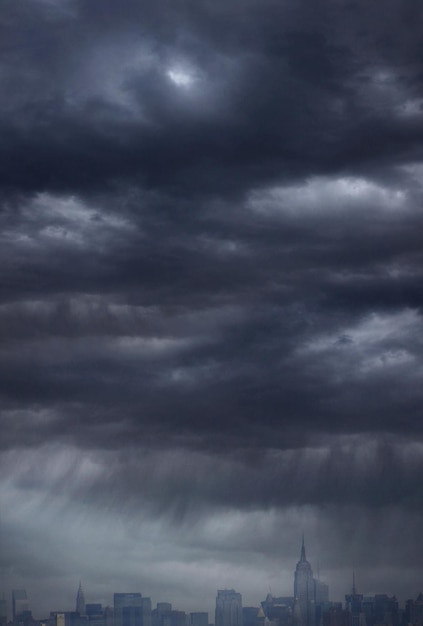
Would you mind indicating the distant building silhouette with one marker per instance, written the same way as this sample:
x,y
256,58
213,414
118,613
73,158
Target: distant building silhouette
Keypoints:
x,y
334,615
108,615
64,618
131,609
228,608
199,619
164,615
160,616
20,606
413,613
416,612
354,606
93,609
279,610
80,601
252,616
304,592
321,591
178,618
381,610
249,615
94,614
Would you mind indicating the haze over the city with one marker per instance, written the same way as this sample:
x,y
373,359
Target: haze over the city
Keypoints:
x,y
211,297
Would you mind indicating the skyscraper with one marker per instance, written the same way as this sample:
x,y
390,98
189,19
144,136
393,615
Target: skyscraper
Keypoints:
x,y
321,592
228,608
354,605
131,609
161,614
80,601
414,611
304,600
19,603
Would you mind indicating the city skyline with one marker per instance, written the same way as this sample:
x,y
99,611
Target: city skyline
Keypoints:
x,y
303,585
229,607
211,269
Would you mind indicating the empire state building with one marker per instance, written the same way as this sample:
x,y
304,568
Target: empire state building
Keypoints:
x,y
304,611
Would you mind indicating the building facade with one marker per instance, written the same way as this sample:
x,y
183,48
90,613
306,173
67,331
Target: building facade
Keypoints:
x,y
20,605
199,618
131,609
228,608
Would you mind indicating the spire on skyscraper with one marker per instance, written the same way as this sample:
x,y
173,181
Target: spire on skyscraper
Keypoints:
x,y
303,554
80,600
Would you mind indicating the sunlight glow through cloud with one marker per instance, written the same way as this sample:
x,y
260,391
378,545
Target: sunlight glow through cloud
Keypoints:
x,y
180,77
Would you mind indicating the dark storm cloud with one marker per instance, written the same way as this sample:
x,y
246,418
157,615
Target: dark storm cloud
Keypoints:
x,y
210,306
275,93
263,326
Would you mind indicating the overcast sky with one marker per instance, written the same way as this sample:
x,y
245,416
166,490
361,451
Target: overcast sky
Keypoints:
x,y
211,269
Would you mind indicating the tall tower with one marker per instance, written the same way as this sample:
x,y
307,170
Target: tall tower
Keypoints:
x,y
228,608
354,605
80,601
304,610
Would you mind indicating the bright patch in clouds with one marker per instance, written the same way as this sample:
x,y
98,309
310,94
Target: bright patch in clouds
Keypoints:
x,y
64,220
411,108
376,343
326,195
181,78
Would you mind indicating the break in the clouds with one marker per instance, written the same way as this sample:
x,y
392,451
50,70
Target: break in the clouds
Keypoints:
x,y
210,307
